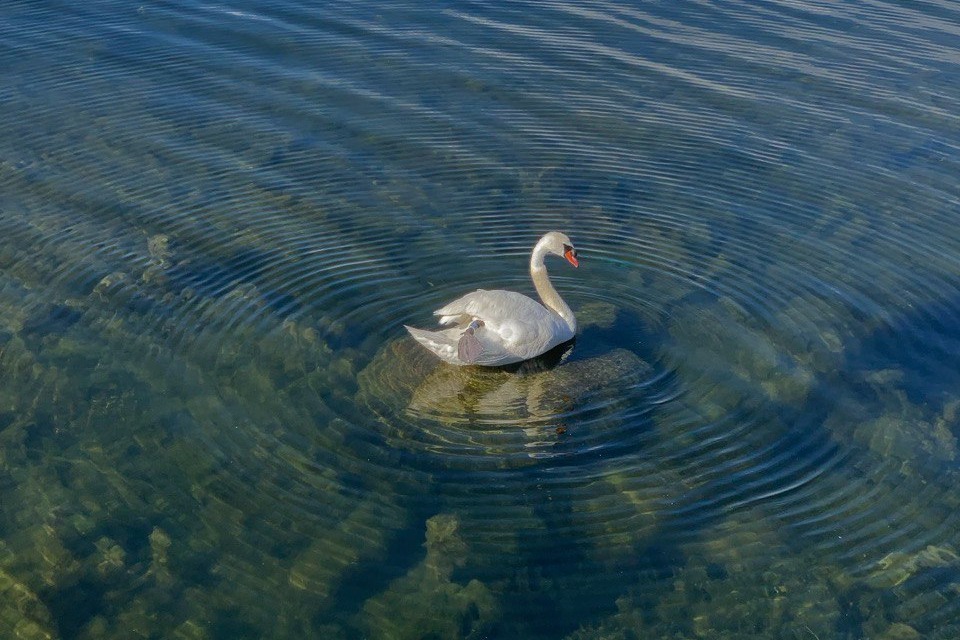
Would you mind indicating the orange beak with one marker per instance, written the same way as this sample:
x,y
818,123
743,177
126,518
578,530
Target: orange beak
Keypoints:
x,y
571,257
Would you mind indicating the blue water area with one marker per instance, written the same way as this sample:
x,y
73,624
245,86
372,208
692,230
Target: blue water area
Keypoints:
x,y
216,219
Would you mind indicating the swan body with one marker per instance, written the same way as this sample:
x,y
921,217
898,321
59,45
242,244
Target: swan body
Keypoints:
x,y
495,328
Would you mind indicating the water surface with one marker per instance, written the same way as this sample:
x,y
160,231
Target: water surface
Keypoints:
x,y
216,217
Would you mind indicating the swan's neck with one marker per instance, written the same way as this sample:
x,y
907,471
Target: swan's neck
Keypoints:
x,y
548,295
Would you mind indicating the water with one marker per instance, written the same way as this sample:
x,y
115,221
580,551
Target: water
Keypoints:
x,y
215,219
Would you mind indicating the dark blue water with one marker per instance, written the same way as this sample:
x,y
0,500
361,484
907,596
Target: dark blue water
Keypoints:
x,y
216,218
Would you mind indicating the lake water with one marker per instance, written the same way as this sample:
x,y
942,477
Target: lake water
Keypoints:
x,y
215,219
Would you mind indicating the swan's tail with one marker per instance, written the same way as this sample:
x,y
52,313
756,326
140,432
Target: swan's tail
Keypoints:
x,y
443,343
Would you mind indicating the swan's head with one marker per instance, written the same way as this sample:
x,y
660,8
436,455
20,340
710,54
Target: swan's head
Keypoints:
x,y
559,244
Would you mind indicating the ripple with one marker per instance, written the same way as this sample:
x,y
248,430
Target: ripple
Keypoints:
x,y
236,210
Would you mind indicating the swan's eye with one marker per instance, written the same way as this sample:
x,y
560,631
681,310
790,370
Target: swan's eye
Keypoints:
x,y
567,248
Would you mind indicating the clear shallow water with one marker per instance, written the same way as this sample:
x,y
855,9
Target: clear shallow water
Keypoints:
x,y
216,219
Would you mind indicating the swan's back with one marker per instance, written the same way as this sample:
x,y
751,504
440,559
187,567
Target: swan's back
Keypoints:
x,y
494,306
514,328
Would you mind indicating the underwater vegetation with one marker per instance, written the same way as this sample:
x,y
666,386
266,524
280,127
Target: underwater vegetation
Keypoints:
x,y
213,227
130,508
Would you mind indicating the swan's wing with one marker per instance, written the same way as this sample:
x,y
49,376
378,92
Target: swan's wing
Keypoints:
x,y
446,345
463,310
469,348
441,343
514,327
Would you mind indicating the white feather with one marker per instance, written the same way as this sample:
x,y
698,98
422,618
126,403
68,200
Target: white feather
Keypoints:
x,y
514,327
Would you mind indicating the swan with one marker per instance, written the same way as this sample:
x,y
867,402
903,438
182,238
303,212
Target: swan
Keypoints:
x,y
495,328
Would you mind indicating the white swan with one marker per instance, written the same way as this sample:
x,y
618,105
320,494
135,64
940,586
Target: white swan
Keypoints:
x,y
494,328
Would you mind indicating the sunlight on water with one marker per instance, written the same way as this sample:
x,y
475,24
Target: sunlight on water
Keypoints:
x,y
216,219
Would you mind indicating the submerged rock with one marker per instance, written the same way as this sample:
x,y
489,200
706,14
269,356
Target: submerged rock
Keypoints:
x,y
508,417
739,580
159,556
426,602
496,411
900,631
918,438
897,567
158,246
22,614
361,537
597,314
908,437
720,347
909,595
110,557
496,395
622,512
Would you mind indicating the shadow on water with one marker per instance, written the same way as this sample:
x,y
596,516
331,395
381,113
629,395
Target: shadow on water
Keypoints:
x,y
544,362
919,350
